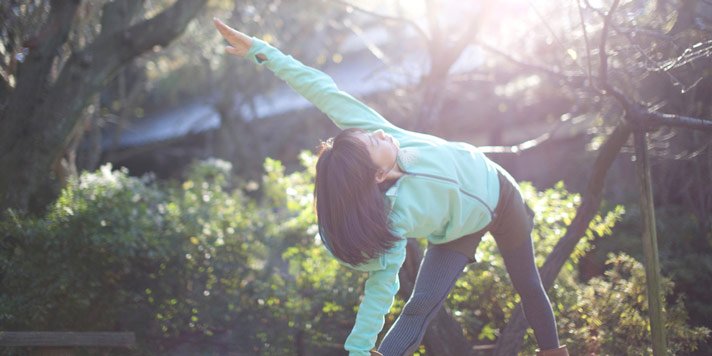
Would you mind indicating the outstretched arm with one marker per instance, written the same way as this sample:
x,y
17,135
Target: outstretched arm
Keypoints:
x,y
317,87
379,294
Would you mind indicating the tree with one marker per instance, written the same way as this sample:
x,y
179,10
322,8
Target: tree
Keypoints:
x,y
42,106
634,115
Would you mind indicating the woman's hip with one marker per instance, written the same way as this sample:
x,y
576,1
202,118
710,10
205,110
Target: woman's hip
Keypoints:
x,y
513,222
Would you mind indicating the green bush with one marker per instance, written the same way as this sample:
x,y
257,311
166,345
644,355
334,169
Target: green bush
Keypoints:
x,y
171,262
483,298
212,264
610,315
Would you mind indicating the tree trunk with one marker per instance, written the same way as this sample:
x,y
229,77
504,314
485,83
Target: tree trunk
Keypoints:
x,y
37,125
444,336
512,337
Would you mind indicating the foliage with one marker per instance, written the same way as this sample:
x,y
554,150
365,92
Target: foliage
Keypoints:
x,y
483,299
115,252
684,256
205,265
610,315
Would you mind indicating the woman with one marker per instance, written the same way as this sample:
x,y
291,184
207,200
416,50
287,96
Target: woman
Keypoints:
x,y
377,184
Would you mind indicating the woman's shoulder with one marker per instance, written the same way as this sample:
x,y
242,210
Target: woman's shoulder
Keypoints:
x,y
409,138
400,222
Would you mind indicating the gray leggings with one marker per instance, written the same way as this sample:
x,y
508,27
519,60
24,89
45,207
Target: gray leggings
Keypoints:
x,y
439,270
437,274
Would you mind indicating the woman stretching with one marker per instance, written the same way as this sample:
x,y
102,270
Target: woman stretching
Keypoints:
x,y
378,184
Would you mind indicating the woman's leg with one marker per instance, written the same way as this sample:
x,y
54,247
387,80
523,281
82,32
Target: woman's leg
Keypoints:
x,y
512,233
520,264
438,271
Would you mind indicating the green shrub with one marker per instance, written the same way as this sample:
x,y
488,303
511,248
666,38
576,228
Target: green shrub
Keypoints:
x,y
483,298
610,316
205,266
170,262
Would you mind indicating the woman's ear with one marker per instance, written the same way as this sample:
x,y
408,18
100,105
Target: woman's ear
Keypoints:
x,y
380,176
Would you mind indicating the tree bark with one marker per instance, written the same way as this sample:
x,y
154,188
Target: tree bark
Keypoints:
x,y
40,125
434,84
512,337
33,76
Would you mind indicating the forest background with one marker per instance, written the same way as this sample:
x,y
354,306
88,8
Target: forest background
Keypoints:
x,y
151,183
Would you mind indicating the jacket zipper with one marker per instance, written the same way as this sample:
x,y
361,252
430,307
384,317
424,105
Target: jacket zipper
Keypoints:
x,y
492,214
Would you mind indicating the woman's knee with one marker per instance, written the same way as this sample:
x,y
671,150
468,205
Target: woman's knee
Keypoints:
x,y
421,303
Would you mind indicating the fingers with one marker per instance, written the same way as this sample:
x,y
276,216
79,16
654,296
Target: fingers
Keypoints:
x,y
233,50
225,30
239,43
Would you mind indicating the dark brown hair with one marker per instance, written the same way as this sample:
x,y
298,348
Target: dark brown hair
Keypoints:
x,y
351,209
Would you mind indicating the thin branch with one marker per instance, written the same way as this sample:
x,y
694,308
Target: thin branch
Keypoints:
x,y
647,32
603,71
519,148
629,32
370,45
569,77
432,16
529,144
469,35
551,31
654,118
637,114
585,38
646,118
533,66
410,22
698,50
524,146
443,57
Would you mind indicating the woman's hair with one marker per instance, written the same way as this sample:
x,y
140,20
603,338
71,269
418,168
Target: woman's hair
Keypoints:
x,y
350,206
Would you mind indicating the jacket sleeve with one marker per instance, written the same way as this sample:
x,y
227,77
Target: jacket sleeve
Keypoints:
x,y
379,294
317,87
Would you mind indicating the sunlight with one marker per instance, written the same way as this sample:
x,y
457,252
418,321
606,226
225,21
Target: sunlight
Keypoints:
x,y
506,23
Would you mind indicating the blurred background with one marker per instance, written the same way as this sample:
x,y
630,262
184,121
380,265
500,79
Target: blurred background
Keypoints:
x,y
152,183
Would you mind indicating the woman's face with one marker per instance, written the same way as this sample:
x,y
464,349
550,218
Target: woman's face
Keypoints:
x,y
383,149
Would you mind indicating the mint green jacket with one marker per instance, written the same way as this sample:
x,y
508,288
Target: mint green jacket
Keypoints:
x,y
450,189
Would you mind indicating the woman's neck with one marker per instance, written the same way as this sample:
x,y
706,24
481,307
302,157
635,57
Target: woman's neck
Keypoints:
x,y
394,173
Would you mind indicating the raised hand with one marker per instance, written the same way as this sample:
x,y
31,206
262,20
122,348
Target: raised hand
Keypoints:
x,y
240,43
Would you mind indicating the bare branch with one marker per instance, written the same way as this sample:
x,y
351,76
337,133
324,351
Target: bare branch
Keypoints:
x,y
643,31
529,144
585,38
654,119
532,66
370,45
603,71
519,148
524,146
551,31
697,51
468,36
409,22
116,14
432,16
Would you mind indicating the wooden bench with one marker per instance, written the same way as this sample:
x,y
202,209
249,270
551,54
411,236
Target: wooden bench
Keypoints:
x,y
48,343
